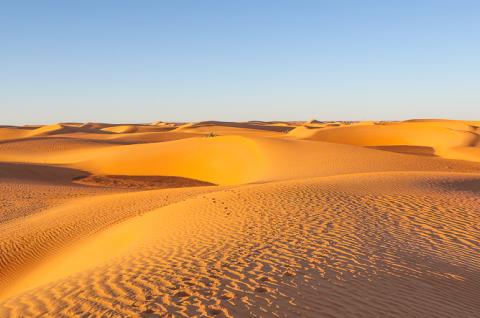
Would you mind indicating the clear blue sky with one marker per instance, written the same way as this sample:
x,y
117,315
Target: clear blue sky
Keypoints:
x,y
140,61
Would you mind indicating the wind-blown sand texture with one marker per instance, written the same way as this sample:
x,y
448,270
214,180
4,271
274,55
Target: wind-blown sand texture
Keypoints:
x,y
256,219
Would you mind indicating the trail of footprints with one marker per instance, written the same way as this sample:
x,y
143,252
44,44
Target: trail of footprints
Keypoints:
x,y
329,247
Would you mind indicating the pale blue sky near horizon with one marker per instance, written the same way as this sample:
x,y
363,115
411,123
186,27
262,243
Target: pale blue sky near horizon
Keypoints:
x,y
142,61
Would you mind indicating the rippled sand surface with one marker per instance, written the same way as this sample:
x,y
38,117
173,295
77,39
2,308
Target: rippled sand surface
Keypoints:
x,y
257,219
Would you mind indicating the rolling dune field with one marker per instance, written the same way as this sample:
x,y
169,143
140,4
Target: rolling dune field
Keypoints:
x,y
252,219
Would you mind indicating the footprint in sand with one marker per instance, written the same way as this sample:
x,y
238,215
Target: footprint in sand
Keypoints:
x,y
289,274
261,289
214,311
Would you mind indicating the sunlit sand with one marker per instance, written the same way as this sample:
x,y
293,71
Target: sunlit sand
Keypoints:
x,y
254,219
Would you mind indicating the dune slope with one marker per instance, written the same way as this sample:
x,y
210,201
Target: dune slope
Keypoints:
x,y
298,248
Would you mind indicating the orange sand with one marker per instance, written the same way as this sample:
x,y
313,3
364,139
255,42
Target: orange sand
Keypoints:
x,y
261,219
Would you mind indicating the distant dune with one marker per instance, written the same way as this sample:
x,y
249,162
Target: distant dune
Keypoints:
x,y
253,219
448,139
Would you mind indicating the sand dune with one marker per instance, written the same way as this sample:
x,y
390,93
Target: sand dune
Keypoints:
x,y
446,138
220,160
47,130
50,150
39,235
236,160
131,138
316,219
62,129
9,133
230,128
125,129
219,256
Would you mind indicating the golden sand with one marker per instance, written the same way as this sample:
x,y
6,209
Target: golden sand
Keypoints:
x,y
257,219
